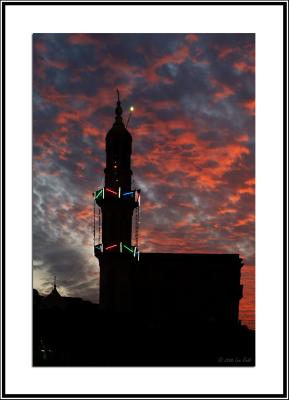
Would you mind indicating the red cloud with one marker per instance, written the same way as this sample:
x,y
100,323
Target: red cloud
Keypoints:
x,y
63,153
224,52
55,64
222,90
249,105
150,205
225,157
178,57
247,304
169,158
80,167
40,47
243,138
90,130
69,112
48,173
81,38
85,213
249,188
191,37
226,91
250,182
241,66
227,211
165,104
244,221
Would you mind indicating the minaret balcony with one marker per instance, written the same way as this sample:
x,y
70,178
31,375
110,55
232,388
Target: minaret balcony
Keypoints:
x,y
117,248
105,194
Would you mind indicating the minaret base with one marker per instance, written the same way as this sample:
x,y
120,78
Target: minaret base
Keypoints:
x,y
118,274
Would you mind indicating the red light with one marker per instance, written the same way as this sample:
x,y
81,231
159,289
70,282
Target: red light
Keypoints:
x,y
112,191
110,247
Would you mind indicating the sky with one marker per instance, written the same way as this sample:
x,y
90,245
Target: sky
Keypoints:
x,y
193,130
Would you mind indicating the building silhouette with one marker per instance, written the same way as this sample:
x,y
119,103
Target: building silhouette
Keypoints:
x,y
156,309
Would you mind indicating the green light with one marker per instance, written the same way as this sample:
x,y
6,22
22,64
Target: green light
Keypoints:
x,y
99,193
128,248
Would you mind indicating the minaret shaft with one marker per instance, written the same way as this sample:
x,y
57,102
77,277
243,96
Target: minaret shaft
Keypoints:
x,y
117,171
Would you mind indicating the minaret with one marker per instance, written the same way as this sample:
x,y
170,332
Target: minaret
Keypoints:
x,y
117,202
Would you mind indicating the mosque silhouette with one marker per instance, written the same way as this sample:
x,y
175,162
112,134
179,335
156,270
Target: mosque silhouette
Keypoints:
x,y
155,309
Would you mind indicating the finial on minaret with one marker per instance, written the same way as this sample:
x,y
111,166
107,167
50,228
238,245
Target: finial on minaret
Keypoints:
x,y
118,110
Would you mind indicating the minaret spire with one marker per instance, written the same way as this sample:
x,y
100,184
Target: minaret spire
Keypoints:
x,y
54,285
118,110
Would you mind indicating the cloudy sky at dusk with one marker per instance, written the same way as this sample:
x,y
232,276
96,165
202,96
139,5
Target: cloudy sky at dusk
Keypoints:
x,y
193,132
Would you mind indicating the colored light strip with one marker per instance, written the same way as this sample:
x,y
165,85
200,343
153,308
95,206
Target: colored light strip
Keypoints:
x,y
127,193
119,192
134,251
138,256
128,248
120,247
99,193
112,191
110,247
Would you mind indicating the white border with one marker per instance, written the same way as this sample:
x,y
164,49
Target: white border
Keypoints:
x,y
21,22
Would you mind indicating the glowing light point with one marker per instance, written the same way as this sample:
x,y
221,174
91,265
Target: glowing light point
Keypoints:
x,y
131,109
